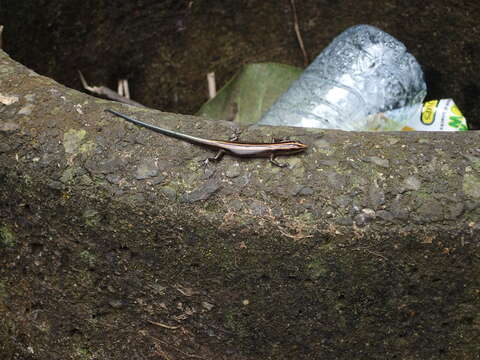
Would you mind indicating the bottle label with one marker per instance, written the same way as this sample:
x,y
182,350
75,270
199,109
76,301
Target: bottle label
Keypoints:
x,y
438,115
435,115
428,112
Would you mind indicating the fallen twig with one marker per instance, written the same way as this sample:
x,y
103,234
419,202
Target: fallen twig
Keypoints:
x,y
371,252
212,87
299,35
163,325
107,92
1,30
123,89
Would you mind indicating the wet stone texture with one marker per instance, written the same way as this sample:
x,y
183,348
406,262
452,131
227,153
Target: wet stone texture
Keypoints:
x,y
118,244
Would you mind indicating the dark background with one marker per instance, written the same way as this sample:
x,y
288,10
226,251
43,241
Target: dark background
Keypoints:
x,y
165,48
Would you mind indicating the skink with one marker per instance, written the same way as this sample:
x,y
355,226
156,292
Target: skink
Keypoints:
x,y
269,150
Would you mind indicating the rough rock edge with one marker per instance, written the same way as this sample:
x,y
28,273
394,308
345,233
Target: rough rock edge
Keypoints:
x,y
413,183
358,215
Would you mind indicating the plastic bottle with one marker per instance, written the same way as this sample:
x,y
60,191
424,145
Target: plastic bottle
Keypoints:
x,y
363,71
434,115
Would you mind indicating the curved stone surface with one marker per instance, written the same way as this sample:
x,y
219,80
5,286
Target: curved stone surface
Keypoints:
x,y
115,242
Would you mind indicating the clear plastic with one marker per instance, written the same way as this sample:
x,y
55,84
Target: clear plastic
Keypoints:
x,y
434,115
363,71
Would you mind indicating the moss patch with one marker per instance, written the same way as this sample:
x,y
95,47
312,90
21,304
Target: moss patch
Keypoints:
x,y
7,239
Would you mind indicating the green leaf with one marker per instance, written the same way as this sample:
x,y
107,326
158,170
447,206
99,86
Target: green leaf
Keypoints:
x,y
252,90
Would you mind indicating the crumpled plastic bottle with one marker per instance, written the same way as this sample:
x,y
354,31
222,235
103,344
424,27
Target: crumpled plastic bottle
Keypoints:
x,y
363,71
434,115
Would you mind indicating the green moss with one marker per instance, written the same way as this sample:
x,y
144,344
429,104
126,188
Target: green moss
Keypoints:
x,y
68,175
7,239
3,295
306,218
27,179
317,269
83,354
91,217
87,147
422,195
471,185
72,140
56,110
87,257
475,163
